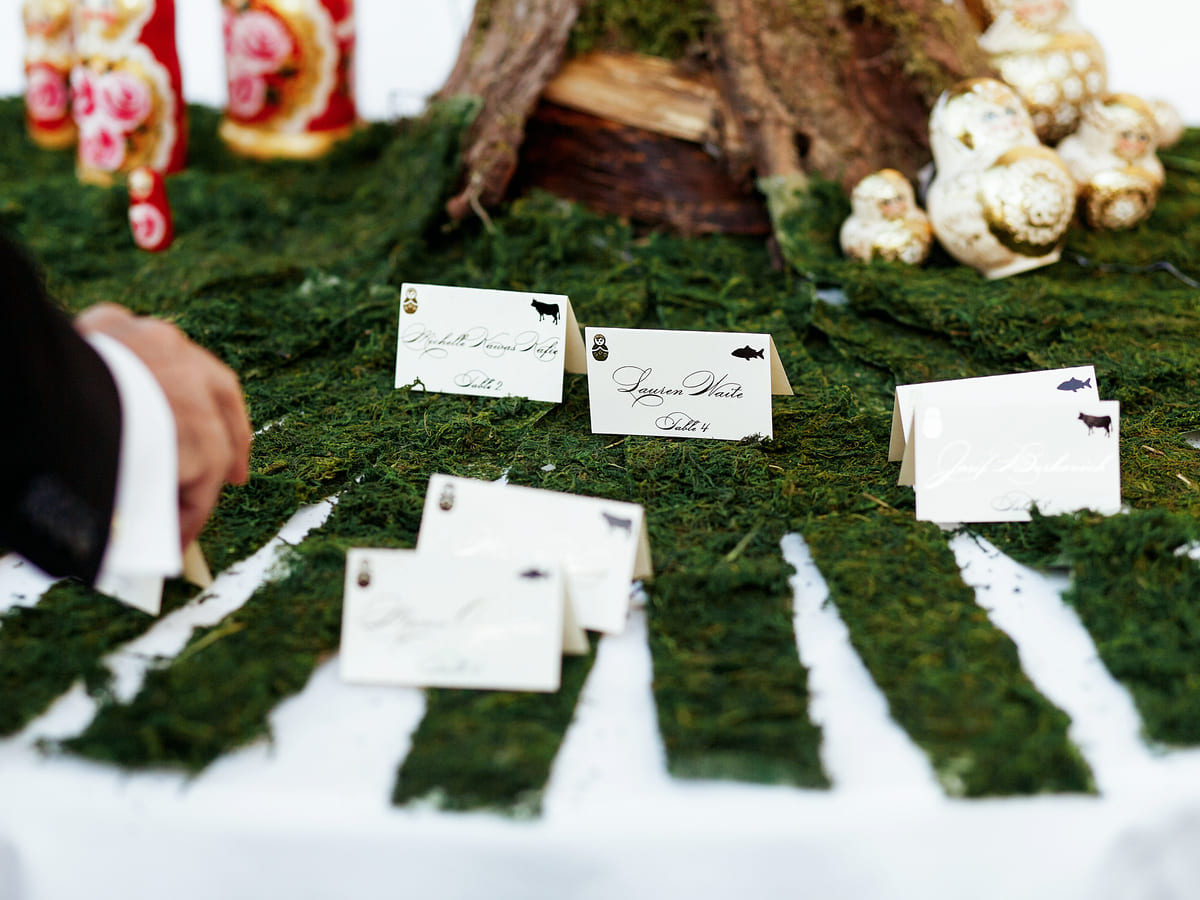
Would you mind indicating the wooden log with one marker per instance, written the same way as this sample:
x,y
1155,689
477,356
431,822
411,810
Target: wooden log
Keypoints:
x,y
643,91
778,88
635,173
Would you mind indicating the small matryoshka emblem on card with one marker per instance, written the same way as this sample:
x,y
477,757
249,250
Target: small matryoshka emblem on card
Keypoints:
x,y
599,348
410,301
446,500
364,574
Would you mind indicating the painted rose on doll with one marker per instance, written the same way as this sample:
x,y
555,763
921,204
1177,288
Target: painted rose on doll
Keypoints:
x,y
128,94
259,51
111,109
289,71
49,55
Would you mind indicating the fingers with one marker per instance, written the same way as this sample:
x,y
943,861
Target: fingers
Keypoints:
x,y
103,318
213,434
196,502
227,393
212,429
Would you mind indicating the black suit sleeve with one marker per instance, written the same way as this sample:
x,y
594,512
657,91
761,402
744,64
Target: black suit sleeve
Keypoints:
x,y
60,429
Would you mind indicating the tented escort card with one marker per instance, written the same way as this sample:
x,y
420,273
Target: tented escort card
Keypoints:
x,y
692,384
600,544
487,343
428,620
1073,385
994,463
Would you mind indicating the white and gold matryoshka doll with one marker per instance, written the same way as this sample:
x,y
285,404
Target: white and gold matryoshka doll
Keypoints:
x,y
49,55
1111,157
999,202
290,70
127,89
1170,122
885,221
1040,49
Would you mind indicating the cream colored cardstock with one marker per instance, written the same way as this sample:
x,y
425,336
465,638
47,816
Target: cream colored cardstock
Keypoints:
x,y
1070,385
995,463
427,620
601,545
486,343
688,384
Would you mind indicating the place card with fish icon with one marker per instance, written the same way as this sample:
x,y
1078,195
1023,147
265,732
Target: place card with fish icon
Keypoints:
x,y
689,384
601,545
427,620
995,462
1070,385
486,343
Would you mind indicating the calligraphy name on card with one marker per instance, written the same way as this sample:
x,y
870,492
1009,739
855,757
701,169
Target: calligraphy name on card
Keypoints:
x,y
486,343
1067,386
995,463
691,384
601,545
426,620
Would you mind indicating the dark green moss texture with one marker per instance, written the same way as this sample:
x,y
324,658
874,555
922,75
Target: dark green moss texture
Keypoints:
x,y
291,273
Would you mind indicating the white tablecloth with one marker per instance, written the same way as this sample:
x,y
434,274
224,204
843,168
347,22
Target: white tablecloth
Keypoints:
x,y
308,815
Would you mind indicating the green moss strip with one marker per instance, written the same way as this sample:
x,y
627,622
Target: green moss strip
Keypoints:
x,y
952,680
731,693
490,749
218,692
1139,598
44,649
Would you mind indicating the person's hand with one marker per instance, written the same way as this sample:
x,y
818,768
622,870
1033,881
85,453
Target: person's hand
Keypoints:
x,y
211,426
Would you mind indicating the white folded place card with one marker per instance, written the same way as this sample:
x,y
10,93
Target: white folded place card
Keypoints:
x,y
487,343
1023,388
600,544
993,463
692,384
428,620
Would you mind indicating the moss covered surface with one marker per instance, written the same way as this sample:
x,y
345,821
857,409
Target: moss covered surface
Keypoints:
x,y
954,681
1139,597
514,735
291,274
668,28
47,648
217,693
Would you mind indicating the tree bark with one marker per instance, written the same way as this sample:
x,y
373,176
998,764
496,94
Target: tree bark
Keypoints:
x,y
836,87
512,49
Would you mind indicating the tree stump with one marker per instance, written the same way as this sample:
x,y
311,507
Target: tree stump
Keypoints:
x,y
771,90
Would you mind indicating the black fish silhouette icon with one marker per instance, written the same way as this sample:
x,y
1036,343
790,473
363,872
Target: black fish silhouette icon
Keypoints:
x,y
747,353
1074,384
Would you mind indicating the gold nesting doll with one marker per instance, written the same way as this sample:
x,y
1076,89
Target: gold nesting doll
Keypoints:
x,y
1111,157
885,221
1055,66
1000,201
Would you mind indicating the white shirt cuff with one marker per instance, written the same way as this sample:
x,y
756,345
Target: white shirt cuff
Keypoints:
x,y
143,543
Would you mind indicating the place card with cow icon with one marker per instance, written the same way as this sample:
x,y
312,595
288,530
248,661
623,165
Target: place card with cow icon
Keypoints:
x,y
486,343
688,384
427,620
1068,386
995,463
601,545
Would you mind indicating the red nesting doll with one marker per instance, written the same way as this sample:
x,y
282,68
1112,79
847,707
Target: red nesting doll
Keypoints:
x,y
49,55
290,70
128,92
149,210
